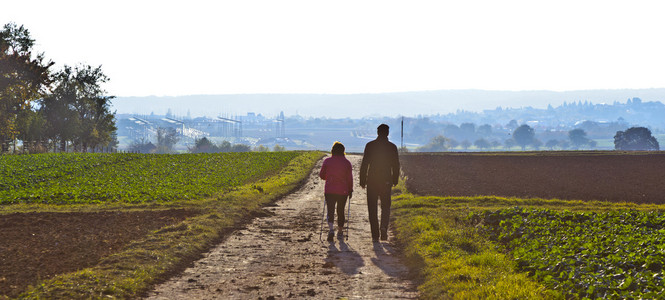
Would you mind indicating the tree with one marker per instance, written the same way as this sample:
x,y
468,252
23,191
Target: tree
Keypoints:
x,y
261,148
78,110
468,130
482,144
485,130
465,145
452,143
551,144
635,138
142,146
93,107
113,143
278,148
453,131
62,122
241,148
166,139
509,143
578,138
512,124
438,143
203,145
524,136
30,125
536,144
225,146
23,78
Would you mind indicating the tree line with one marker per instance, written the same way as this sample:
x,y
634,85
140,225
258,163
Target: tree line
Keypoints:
x,y
204,145
168,137
42,109
632,139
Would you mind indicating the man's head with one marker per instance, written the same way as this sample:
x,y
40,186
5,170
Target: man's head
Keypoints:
x,y
383,130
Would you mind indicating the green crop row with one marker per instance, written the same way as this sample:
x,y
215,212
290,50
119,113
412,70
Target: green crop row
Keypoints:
x,y
614,254
132,178
24,171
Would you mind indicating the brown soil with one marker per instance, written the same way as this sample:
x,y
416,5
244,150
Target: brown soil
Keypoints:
x,y
634,178
36,246
280,256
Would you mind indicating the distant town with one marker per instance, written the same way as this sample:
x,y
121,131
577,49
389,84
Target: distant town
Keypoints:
x,y
489,130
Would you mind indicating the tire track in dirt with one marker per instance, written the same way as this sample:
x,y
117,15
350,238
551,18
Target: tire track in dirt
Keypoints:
x,y
281,257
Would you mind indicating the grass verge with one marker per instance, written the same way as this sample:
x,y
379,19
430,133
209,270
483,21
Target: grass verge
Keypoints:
x,y
143,263
455,261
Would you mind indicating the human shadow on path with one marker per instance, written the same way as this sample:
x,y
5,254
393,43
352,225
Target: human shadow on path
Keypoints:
x,y
344,258
386,259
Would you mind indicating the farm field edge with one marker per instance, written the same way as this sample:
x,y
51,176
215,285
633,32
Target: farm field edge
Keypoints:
x,y
452,258
147,261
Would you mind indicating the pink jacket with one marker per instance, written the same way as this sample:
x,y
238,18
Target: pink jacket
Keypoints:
x,y
337,172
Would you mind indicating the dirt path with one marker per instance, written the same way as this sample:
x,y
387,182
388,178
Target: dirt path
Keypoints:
x,y
280,257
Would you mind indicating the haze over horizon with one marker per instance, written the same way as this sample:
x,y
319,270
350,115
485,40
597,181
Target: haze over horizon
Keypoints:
x,y
168,48
407,104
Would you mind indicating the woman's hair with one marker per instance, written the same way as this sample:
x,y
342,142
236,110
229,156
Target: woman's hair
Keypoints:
x,y
337,149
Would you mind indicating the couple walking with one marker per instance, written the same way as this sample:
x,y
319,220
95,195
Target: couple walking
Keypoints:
x,y
379,171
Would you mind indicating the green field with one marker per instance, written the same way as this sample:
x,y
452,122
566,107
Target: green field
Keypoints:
x,y
462,247
222,191
133,178
614,254
530,248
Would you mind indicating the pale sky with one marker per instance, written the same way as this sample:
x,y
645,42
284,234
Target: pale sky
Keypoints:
x,y
191,47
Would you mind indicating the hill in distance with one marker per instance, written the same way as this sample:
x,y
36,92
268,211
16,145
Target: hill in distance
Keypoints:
x,y
370,105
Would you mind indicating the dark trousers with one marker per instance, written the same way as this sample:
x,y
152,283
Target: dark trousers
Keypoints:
x,y
374,192
340,201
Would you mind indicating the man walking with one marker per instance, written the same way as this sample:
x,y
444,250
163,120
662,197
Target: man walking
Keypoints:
x,y
379,171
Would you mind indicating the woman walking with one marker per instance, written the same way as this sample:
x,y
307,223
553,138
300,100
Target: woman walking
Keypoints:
x,y
337,172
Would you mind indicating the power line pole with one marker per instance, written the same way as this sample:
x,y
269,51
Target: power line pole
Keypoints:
x,y
402,135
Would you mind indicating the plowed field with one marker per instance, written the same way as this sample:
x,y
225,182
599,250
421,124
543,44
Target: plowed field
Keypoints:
x,y
36,246
607,176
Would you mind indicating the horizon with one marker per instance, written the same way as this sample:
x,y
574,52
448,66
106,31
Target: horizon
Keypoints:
x,y
372,104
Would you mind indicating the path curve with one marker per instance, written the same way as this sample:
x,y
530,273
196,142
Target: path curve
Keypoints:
x,y
281,257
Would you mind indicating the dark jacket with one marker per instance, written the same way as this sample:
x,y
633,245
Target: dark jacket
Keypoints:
x,y
380,163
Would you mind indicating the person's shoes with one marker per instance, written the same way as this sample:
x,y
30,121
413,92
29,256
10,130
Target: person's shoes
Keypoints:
x,y
384,235
375,239
331,236
340,235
